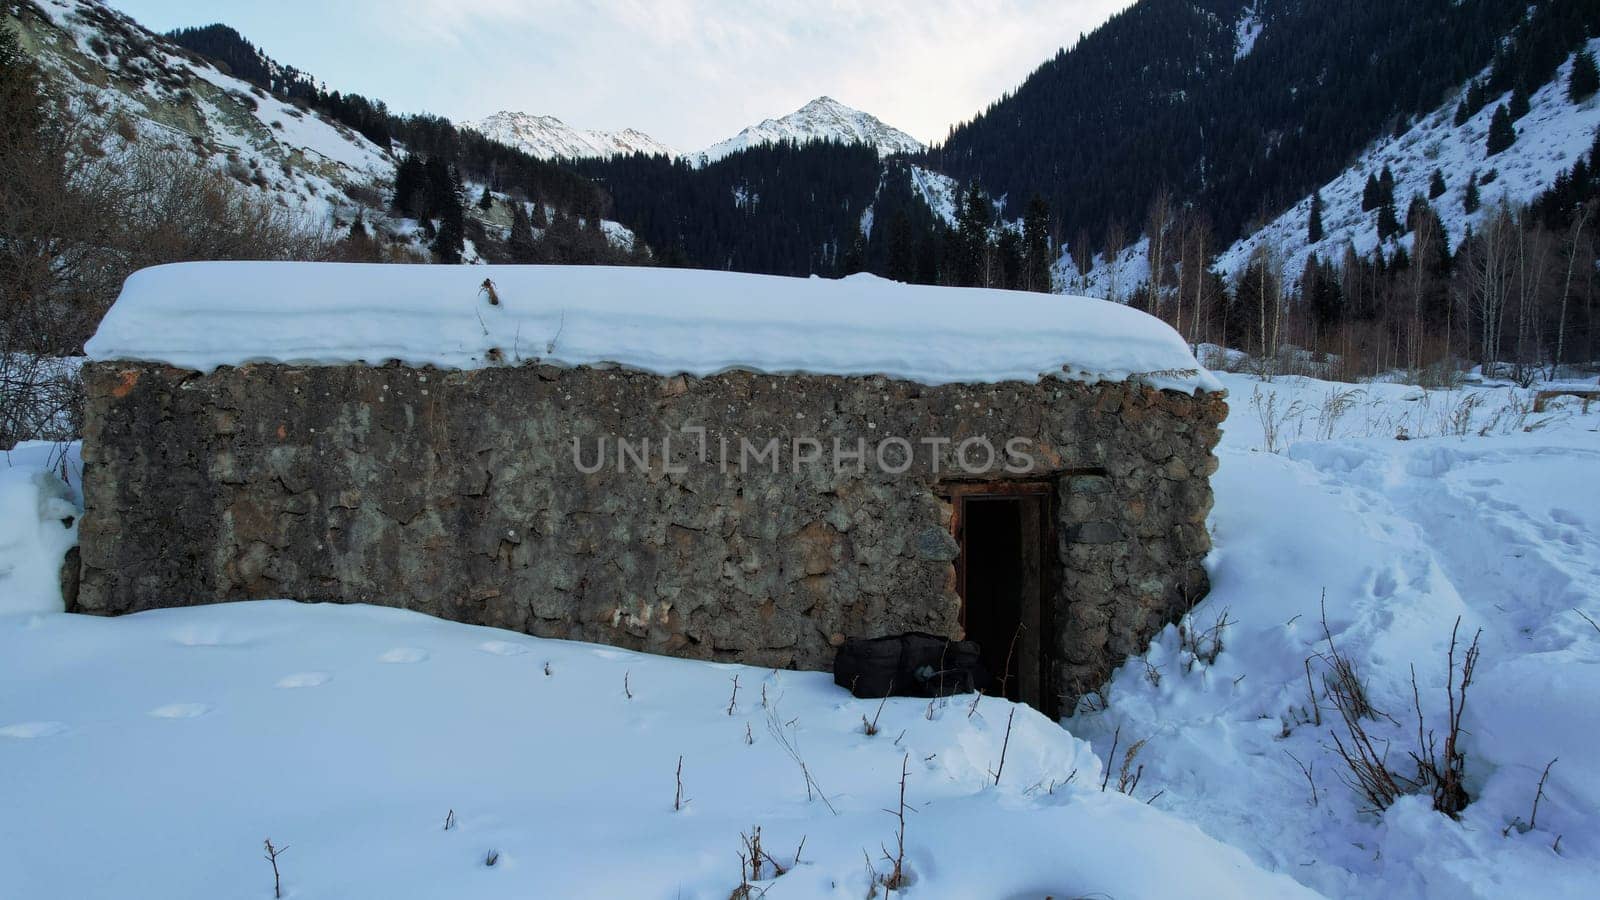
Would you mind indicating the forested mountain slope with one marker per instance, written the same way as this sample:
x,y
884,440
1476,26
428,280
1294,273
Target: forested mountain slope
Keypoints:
x,y
1239,108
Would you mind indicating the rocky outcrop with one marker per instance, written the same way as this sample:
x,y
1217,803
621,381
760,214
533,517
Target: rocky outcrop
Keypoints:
x,y
460,494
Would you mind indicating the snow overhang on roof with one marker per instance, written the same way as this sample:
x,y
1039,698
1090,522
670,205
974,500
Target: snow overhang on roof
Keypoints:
x,y
669,321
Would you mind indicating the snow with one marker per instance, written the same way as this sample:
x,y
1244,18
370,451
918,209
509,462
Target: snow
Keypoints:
x,y
1550,138
38,524
1113,277
1247,31
822,119
349,733
180,104
668,321
1472,517
939,191
547,137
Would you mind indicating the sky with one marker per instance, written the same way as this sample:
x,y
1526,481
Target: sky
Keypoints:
x,y
687,72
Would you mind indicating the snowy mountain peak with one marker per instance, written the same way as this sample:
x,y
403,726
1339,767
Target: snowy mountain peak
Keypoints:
x,y
821,119
547,137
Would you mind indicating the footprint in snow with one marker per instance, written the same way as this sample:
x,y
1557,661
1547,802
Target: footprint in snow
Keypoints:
x,y
28,730
180,711
305,680
502,648
404,655
1565,516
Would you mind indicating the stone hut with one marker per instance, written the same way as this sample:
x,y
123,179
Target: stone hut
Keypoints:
x,y
702,464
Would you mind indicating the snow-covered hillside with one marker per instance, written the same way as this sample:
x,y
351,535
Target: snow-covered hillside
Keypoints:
x,y
136,91
547,137
822,119
939,191
136,88
1550,138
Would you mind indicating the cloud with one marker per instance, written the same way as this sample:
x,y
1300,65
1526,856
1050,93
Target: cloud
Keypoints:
x,y
690,72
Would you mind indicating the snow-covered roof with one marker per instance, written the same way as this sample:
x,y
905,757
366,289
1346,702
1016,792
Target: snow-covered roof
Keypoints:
x,y
667,321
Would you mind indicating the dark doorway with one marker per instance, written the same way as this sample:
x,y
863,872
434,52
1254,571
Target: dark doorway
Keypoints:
x,y
1003,578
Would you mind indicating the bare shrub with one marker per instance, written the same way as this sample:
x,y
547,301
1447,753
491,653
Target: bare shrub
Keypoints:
x,y
1275,418
871,728
1335,404
1443,776
77,222
677,797
898,877
1447,776
272,857
1201,645
791,746
1343,686
1522,827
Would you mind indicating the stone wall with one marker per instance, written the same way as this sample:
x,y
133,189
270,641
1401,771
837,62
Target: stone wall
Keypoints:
x,y
458,494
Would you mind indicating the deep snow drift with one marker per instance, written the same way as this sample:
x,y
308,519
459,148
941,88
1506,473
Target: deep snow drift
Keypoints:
x,y
669,321
150,756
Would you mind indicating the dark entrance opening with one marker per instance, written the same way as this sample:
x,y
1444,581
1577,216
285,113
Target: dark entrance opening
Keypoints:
x,y
1004,576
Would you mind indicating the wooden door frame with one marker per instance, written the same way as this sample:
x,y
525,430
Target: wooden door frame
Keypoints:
x,y
959,493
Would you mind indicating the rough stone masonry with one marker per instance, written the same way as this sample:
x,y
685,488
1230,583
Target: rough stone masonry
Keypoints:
x,y
456,493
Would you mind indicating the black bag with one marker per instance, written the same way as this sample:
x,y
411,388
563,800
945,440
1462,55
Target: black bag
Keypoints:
x,y
909,665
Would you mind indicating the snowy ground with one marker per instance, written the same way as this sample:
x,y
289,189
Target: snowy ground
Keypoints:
x,y
150,755
1501,529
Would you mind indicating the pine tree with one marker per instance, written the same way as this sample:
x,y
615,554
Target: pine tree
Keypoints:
x,y
902,255
444,203
1323,290
1501,134
1436,185
972,238
1463,113
1415,211
1314,226
1470,201
1520,103
410,180
486,201
1036,258
539,219
1371,195
1386,187
520,245
855,256
1585,78
1477,97
1008,267
1401,260
1388,223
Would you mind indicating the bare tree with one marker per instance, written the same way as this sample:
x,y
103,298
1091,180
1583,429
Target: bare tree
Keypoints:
x,y
1574,239
1488,267
1157,224
1116,241
1424,236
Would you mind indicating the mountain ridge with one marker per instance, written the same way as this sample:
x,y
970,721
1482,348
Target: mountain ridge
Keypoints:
x,y
549,138
822,118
